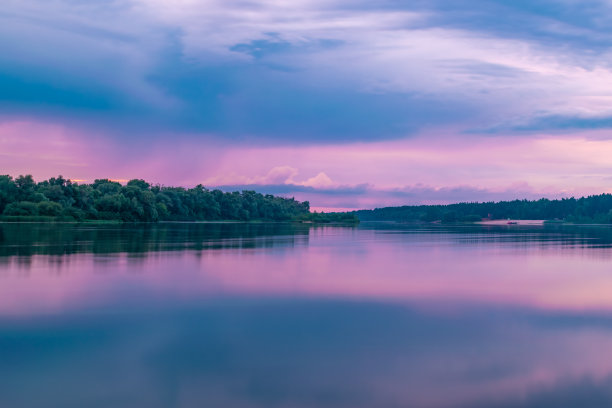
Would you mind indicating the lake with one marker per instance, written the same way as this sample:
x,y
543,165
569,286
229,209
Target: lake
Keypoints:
x,y
288,315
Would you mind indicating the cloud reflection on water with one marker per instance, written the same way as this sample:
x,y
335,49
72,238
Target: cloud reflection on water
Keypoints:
x,y
247,316
306,353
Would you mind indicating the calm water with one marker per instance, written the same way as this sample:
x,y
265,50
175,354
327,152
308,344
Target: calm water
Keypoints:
x,y
276,315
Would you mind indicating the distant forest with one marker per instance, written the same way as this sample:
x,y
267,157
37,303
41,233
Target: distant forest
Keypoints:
x,y
23,199
592,209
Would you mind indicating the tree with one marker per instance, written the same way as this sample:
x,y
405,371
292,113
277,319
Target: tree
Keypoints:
x,y
139,183
21,208
25,187
8,191
139,201
49,208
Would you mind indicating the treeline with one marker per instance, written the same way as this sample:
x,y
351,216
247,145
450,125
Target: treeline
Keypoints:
x,y
58,198
330,218
591,209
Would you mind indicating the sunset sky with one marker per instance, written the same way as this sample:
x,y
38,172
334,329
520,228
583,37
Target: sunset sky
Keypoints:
x,y
348,104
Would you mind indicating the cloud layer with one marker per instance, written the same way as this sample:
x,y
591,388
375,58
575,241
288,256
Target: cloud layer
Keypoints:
x,y
309,72
186,83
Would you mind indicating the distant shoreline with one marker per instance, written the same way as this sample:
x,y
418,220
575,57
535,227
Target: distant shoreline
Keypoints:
x,y
511,222
58,220
595,209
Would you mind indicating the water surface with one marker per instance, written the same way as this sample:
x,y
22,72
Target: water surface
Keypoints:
x,y
283,315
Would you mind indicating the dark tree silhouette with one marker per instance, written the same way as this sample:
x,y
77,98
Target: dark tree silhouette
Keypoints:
x,y
591,209
138,200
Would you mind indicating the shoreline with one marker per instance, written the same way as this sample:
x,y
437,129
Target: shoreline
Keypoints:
x,y
512,222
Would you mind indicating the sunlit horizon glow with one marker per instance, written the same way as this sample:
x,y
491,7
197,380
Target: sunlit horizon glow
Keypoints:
x,y
345,104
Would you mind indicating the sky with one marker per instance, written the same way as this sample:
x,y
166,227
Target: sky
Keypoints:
x,y
347,104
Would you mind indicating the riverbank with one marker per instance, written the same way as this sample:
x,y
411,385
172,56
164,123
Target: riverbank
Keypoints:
x,y
36,219
511,222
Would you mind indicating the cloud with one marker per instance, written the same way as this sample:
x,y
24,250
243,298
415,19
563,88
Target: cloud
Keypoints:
x,y
277,175
315,72
357,175
222,92
321,180
581,392
552,123
331,196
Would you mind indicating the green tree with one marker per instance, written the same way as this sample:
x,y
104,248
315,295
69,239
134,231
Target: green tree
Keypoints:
x,y
21,208
49,208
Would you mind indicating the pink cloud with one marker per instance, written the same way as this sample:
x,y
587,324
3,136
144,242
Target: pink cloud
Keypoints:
x,y
46,149
432,168
321,180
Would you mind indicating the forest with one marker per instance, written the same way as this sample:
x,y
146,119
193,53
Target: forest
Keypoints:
x,y
591,209
23,199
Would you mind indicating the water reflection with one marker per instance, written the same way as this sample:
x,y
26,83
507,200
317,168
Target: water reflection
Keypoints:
x,y
61,239
288,315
